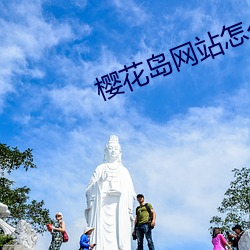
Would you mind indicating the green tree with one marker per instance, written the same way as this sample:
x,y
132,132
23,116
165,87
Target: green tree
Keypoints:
x,y
17,199
235,206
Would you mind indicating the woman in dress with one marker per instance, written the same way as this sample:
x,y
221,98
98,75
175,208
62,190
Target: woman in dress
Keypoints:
x,y
218,240
56,231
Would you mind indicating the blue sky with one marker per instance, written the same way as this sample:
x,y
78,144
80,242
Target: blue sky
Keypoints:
x,y
181,134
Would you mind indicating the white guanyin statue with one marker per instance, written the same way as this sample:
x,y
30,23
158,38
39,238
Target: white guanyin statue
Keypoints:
x,y
110,198
244,242
4,212
23,234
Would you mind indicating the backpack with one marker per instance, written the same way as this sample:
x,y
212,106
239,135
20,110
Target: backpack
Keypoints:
x,y
149,212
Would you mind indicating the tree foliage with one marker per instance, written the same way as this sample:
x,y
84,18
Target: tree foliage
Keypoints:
x,y
235,206
6,239
12,159
17,199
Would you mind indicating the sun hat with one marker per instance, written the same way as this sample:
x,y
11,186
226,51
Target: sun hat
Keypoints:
x,y
87,229
59,213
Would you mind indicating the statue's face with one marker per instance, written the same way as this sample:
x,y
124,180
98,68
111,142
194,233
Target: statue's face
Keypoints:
x,y
114,150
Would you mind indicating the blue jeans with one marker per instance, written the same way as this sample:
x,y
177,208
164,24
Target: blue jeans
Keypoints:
x,y
142,230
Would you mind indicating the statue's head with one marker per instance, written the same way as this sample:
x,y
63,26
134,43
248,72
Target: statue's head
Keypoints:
x,y
4,211
113,150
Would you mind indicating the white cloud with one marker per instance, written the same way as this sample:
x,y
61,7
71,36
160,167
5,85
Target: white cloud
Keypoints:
x,y
25,35
106,63
32,33
132,13
80,3
84,103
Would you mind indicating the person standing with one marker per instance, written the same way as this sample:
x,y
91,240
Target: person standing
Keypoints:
x,y
85,239
144,223
56,231
218,240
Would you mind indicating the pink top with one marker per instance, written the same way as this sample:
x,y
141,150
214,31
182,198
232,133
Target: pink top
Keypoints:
x,y
219,242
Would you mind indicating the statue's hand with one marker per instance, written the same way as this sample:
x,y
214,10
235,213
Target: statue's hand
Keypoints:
x,y
104,176
90,201
132,217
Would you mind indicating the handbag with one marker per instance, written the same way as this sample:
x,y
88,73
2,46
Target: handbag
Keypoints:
x,y
65,236
49,227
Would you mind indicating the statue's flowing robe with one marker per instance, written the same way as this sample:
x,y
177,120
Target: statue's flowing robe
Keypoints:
x,y
110,197
244,242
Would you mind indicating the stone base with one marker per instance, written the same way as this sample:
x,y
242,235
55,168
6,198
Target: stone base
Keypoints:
x,y
13,247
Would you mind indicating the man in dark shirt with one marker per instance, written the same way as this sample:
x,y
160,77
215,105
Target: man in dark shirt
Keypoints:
x,y
239,231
